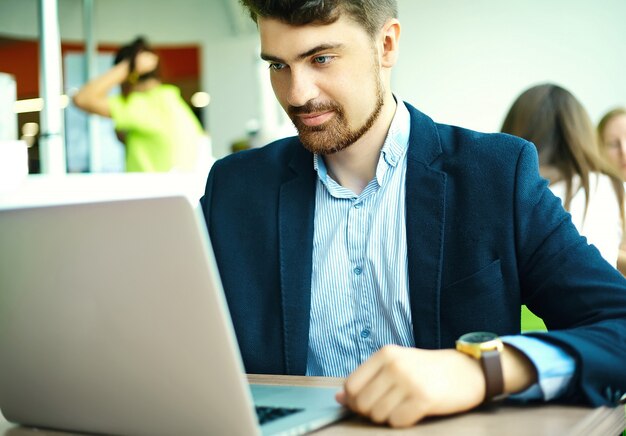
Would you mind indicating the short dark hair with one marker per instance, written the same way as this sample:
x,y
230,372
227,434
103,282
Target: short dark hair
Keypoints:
x,y
130,51
371,14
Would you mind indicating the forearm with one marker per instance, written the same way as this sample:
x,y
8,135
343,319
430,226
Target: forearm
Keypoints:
x,y
92,97
518,371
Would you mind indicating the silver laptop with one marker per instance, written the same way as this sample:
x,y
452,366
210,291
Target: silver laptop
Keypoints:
x,y
113,320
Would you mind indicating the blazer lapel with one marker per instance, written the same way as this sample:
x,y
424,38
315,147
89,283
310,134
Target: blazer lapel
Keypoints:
x,y
425,215
296,212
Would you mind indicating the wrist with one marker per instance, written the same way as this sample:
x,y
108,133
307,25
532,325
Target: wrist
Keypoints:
x,y
122,70
518,371
474,377
503,369
486,348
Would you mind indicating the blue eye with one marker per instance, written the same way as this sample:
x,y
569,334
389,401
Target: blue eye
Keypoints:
x,y
321,60
276,66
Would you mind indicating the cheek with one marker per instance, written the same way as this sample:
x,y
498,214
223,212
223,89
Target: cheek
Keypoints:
x,y
357,94
614,154
280,92
351,85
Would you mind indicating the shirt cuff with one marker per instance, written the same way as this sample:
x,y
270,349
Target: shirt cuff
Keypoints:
x,y
555,368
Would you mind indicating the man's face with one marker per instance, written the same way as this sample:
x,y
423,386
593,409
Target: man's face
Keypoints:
x,y
326,77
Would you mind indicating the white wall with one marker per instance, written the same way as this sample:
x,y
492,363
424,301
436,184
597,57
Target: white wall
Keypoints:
x,y
119,21
233,85
8,117
462,62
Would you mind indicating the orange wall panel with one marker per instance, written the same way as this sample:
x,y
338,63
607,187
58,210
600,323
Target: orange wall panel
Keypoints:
x,y
21,59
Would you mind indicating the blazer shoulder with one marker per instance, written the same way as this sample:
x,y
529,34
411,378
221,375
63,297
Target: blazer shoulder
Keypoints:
x,y
459,139
431,141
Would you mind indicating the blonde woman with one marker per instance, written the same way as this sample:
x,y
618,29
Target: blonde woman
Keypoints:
x,y
612,135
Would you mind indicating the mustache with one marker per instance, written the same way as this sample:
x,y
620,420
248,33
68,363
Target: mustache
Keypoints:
x,y
312,107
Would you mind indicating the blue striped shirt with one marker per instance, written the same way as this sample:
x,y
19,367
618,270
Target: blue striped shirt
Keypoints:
x,y
359,282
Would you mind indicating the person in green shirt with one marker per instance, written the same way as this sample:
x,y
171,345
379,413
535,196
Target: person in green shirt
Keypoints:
x,y
158,128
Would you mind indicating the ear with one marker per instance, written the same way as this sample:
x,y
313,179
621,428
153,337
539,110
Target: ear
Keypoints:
x,y
390,35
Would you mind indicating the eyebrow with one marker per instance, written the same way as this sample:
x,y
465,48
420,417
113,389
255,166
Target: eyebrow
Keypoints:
x,y
304,55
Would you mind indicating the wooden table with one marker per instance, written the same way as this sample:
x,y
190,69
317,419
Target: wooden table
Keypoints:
x,y
510,420
507,419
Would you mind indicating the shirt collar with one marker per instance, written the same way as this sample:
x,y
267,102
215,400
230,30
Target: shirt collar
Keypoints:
x,y
394,148
397,140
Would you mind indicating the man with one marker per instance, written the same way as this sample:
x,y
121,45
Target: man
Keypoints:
x,y
377,226
158,128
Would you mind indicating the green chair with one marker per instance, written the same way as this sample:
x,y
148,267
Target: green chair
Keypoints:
x,y
531,322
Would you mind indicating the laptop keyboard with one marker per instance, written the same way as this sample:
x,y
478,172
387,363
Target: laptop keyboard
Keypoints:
x,y
267,414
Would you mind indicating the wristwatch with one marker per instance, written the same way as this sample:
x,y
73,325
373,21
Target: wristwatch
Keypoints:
x,y
486,347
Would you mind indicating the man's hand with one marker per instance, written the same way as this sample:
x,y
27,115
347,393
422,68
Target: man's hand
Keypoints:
x,y
400,386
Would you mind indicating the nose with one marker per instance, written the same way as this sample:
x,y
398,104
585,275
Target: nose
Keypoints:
x,y
302,88
622,147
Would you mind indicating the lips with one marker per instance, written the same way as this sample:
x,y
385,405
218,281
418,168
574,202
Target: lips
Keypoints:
x,y
315,119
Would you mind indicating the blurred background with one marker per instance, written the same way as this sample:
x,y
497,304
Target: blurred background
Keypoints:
x,y
461,62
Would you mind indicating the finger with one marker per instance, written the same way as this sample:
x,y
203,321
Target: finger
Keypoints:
x,y
371,393
340,397
368,370
407,413
381,411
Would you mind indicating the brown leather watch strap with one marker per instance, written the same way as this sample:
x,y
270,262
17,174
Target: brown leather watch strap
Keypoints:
x,y
492,368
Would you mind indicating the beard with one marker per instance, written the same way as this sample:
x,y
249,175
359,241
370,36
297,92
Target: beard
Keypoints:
x,y
335,134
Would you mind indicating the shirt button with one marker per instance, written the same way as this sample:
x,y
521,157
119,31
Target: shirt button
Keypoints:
x,y
358,271
357,206
365,333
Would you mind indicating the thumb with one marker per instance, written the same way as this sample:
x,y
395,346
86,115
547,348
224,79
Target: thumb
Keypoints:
x,y
340,397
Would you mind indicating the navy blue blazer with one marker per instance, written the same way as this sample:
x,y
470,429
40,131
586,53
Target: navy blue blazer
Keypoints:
x,y
484,235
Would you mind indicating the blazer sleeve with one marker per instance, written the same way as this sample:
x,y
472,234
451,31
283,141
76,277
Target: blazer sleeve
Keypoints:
x,y
205,201
565,281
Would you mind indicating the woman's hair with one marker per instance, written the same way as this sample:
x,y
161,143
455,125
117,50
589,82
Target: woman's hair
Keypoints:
x,y
602,125
556,122
129,52
371,14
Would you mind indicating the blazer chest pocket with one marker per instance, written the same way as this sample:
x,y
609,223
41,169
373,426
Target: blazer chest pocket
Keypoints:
x,y
476,302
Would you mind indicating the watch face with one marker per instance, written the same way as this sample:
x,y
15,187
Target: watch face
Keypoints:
x,y
478,337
